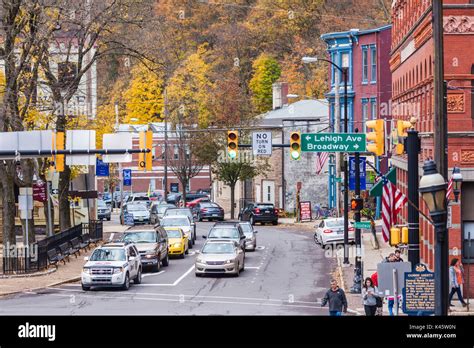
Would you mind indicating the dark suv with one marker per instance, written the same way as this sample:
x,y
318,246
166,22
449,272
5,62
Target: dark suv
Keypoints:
x,y
227,230
259,212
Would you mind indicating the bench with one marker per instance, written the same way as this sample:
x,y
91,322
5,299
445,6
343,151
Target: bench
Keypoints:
x,y
76,246
85,241
54,257
65,250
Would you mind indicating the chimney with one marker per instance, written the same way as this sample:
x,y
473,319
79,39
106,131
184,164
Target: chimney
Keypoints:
x,y
280,92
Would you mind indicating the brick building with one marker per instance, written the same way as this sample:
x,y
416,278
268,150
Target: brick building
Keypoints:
x,y
367,54
141,180
412,69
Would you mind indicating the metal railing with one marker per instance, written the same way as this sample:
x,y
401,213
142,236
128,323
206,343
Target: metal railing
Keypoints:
x,y
22,261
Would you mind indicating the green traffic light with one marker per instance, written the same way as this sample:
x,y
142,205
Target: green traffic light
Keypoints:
x,y
295,155
232,154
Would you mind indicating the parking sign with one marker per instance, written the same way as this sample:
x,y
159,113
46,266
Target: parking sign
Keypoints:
x,y
127,177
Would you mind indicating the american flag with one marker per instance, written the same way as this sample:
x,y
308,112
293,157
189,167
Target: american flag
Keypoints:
x,y
450,188
392,201
321,158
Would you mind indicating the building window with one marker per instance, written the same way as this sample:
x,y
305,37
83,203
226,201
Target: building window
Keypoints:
x,y
373,105
373,72
365,65
365,113
176,152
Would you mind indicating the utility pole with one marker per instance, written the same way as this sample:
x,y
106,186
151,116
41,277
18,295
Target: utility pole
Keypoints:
x,y
413,149
357,287
337,129
165,179
117,123
346,176
440,142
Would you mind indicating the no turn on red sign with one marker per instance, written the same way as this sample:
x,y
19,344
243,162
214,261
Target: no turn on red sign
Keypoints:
x,y
262,143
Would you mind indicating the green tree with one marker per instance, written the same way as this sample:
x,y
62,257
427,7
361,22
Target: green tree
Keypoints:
x,y
266,72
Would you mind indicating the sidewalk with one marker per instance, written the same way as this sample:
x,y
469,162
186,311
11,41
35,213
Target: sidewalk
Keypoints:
x,y
70,272
370,259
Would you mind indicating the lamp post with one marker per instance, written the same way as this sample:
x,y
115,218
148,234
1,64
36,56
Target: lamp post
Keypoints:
x,y
345,74
457,182
433,190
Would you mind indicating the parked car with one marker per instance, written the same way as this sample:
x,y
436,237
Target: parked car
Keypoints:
x,y
183,211
332,231
152,244
209,211
220,256
112,265
178,241
157,211
140,213
192,204
173,198
227,230
181,221
139,198
107,198
259,212
103,210
193,196
116,198
250,236
157,195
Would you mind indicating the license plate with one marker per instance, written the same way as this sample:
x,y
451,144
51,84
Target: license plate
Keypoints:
x,y
340,232
267,212
141,219
214,215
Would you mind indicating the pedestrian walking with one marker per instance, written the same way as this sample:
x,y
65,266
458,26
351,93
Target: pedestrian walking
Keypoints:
x,y
370,294
336,298
456,280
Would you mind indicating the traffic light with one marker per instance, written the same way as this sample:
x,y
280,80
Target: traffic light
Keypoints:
x,y
401,135
232,144
377,138
295,146
145,160
58,160
357,204
395,239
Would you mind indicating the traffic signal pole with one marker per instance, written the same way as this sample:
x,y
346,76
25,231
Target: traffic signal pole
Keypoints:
x,y
413,149
357,286
346,175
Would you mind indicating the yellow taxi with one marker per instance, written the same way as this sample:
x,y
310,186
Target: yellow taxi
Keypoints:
x,y
177,241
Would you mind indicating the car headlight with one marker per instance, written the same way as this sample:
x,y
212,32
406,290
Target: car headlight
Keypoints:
x,y
86,270
177,245
200,260
118,270
228,262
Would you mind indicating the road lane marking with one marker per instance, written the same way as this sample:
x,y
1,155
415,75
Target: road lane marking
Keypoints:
x,y
183,276
152,274
196,301
250,267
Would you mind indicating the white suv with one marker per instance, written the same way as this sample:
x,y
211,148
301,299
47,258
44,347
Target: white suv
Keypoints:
x,y
112,265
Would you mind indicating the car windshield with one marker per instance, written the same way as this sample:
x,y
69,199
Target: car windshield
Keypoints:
x,y
101,204
137,207
161,210
173,233
218,248
140,237
209,205
175,222
224,233
174,212
108,255
141,198
334,223
264,206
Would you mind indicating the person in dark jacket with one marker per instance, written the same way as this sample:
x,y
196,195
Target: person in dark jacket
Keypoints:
x,y
398,255
336,298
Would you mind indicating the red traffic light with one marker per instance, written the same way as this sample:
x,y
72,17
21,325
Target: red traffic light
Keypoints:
x,y
295,136
232,136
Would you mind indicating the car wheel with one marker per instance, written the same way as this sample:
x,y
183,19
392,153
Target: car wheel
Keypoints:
x,y
138,278
243,266
190,244
316,239
199,217
252,221
274,223
86,288
198,274
166,261
126,282
108,219
186,252
238,270
157,267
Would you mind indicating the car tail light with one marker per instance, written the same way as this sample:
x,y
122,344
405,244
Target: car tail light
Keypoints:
x,y
351,229
203,210
276,211
327,231
257,211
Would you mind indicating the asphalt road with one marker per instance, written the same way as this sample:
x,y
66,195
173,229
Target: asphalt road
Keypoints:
x,y
287,275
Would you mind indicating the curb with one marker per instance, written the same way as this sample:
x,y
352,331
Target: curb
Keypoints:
x,y
37,274
70,280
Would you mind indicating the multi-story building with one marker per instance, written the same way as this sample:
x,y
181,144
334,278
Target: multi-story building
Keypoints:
x,y
412,69
366,53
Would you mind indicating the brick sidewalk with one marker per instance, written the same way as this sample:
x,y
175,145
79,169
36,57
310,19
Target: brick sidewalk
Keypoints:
x,y
69,272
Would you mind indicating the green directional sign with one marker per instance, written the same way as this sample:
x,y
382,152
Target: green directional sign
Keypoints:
x,y
333,142
362,224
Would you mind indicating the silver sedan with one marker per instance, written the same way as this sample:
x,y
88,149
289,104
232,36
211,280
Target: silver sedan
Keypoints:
x,y
220,257
250,236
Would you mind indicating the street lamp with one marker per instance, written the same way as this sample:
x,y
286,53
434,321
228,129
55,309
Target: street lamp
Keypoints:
x,y
344,69
457,182
433,190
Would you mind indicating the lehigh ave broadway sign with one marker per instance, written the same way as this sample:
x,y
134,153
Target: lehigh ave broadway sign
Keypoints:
x,y
333,142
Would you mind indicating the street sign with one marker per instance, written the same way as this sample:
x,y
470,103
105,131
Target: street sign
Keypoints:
x,y
386,277
419,291
305,211
117,141
333,142
174,187
79,140
376,191
338,179
101,168
127,177
128,219
352,173
25,202
262,143
39,191
366,225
